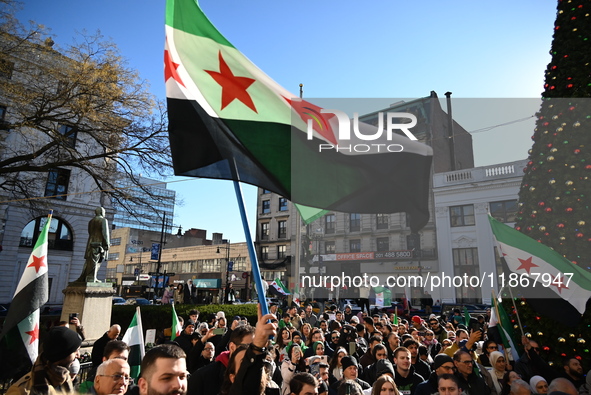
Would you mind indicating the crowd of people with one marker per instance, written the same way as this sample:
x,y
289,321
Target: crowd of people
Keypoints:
x,y
296,352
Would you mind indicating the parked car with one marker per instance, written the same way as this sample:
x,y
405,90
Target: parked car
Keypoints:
x,y
118,300
138,301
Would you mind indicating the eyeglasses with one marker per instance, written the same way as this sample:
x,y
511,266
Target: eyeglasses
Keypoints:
x,y
428,334
334,337
209,348
448,368
432,323
117,377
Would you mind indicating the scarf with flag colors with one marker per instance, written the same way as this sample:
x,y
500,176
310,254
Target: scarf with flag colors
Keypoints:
x,y
19,341
134,337
229,120
544,268
500,320
177,328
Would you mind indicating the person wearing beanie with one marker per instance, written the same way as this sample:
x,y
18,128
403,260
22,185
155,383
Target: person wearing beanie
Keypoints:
x,y
442,364
50,372
350,372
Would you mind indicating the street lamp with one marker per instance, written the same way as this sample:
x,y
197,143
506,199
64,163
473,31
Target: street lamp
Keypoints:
x,y
228,266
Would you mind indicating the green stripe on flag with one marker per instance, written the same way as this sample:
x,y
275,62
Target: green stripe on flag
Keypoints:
x,y
192,20
310,214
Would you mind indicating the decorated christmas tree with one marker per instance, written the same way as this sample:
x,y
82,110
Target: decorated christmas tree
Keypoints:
x,y
556,189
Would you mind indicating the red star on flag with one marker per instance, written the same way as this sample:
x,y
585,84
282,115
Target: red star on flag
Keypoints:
x,y
233,87
37,263
170,69
561,284
33,333
526,264
307,110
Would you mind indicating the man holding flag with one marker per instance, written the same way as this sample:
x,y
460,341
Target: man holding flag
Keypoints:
x,y
50,372
19,340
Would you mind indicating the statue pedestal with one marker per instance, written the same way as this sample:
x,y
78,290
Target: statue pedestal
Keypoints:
x,y
93,303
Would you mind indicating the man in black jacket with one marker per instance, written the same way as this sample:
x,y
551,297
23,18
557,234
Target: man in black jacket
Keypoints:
x,y
470,381
443,364
404,373
99,346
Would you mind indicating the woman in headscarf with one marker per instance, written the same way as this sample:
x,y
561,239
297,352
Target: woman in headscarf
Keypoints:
x,y
538,385
497,370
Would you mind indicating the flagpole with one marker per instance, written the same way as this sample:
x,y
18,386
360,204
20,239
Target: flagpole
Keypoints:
x,y
496,306
516,312
256,273
298,242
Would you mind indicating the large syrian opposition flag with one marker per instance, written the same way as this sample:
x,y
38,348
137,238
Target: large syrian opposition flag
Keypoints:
x,y
229,120
19,341
134,337
548,272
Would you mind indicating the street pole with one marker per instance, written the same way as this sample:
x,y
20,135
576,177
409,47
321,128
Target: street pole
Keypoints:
x,y
159,264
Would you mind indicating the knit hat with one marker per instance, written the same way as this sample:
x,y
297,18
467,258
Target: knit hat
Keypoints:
x,y
384,366
440,359
60,343
348,361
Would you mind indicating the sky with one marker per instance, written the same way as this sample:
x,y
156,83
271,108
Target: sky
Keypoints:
x,y
385,49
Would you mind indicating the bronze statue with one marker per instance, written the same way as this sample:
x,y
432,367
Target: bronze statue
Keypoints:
x,y
96,248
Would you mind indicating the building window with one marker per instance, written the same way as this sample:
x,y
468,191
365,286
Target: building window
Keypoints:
x,y
413,242
265,191
113,256
383,244
462,215
354,222
210,265
407,219
382,221
281,251
329,223
57,183
69,134
264,253
504,211
282,229
466,264
355,245
266,206
6,68
116,241
330,247
265,231
282,204
59,237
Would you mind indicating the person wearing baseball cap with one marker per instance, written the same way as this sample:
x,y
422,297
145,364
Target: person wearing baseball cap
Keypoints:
x,y
50,372
442,364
